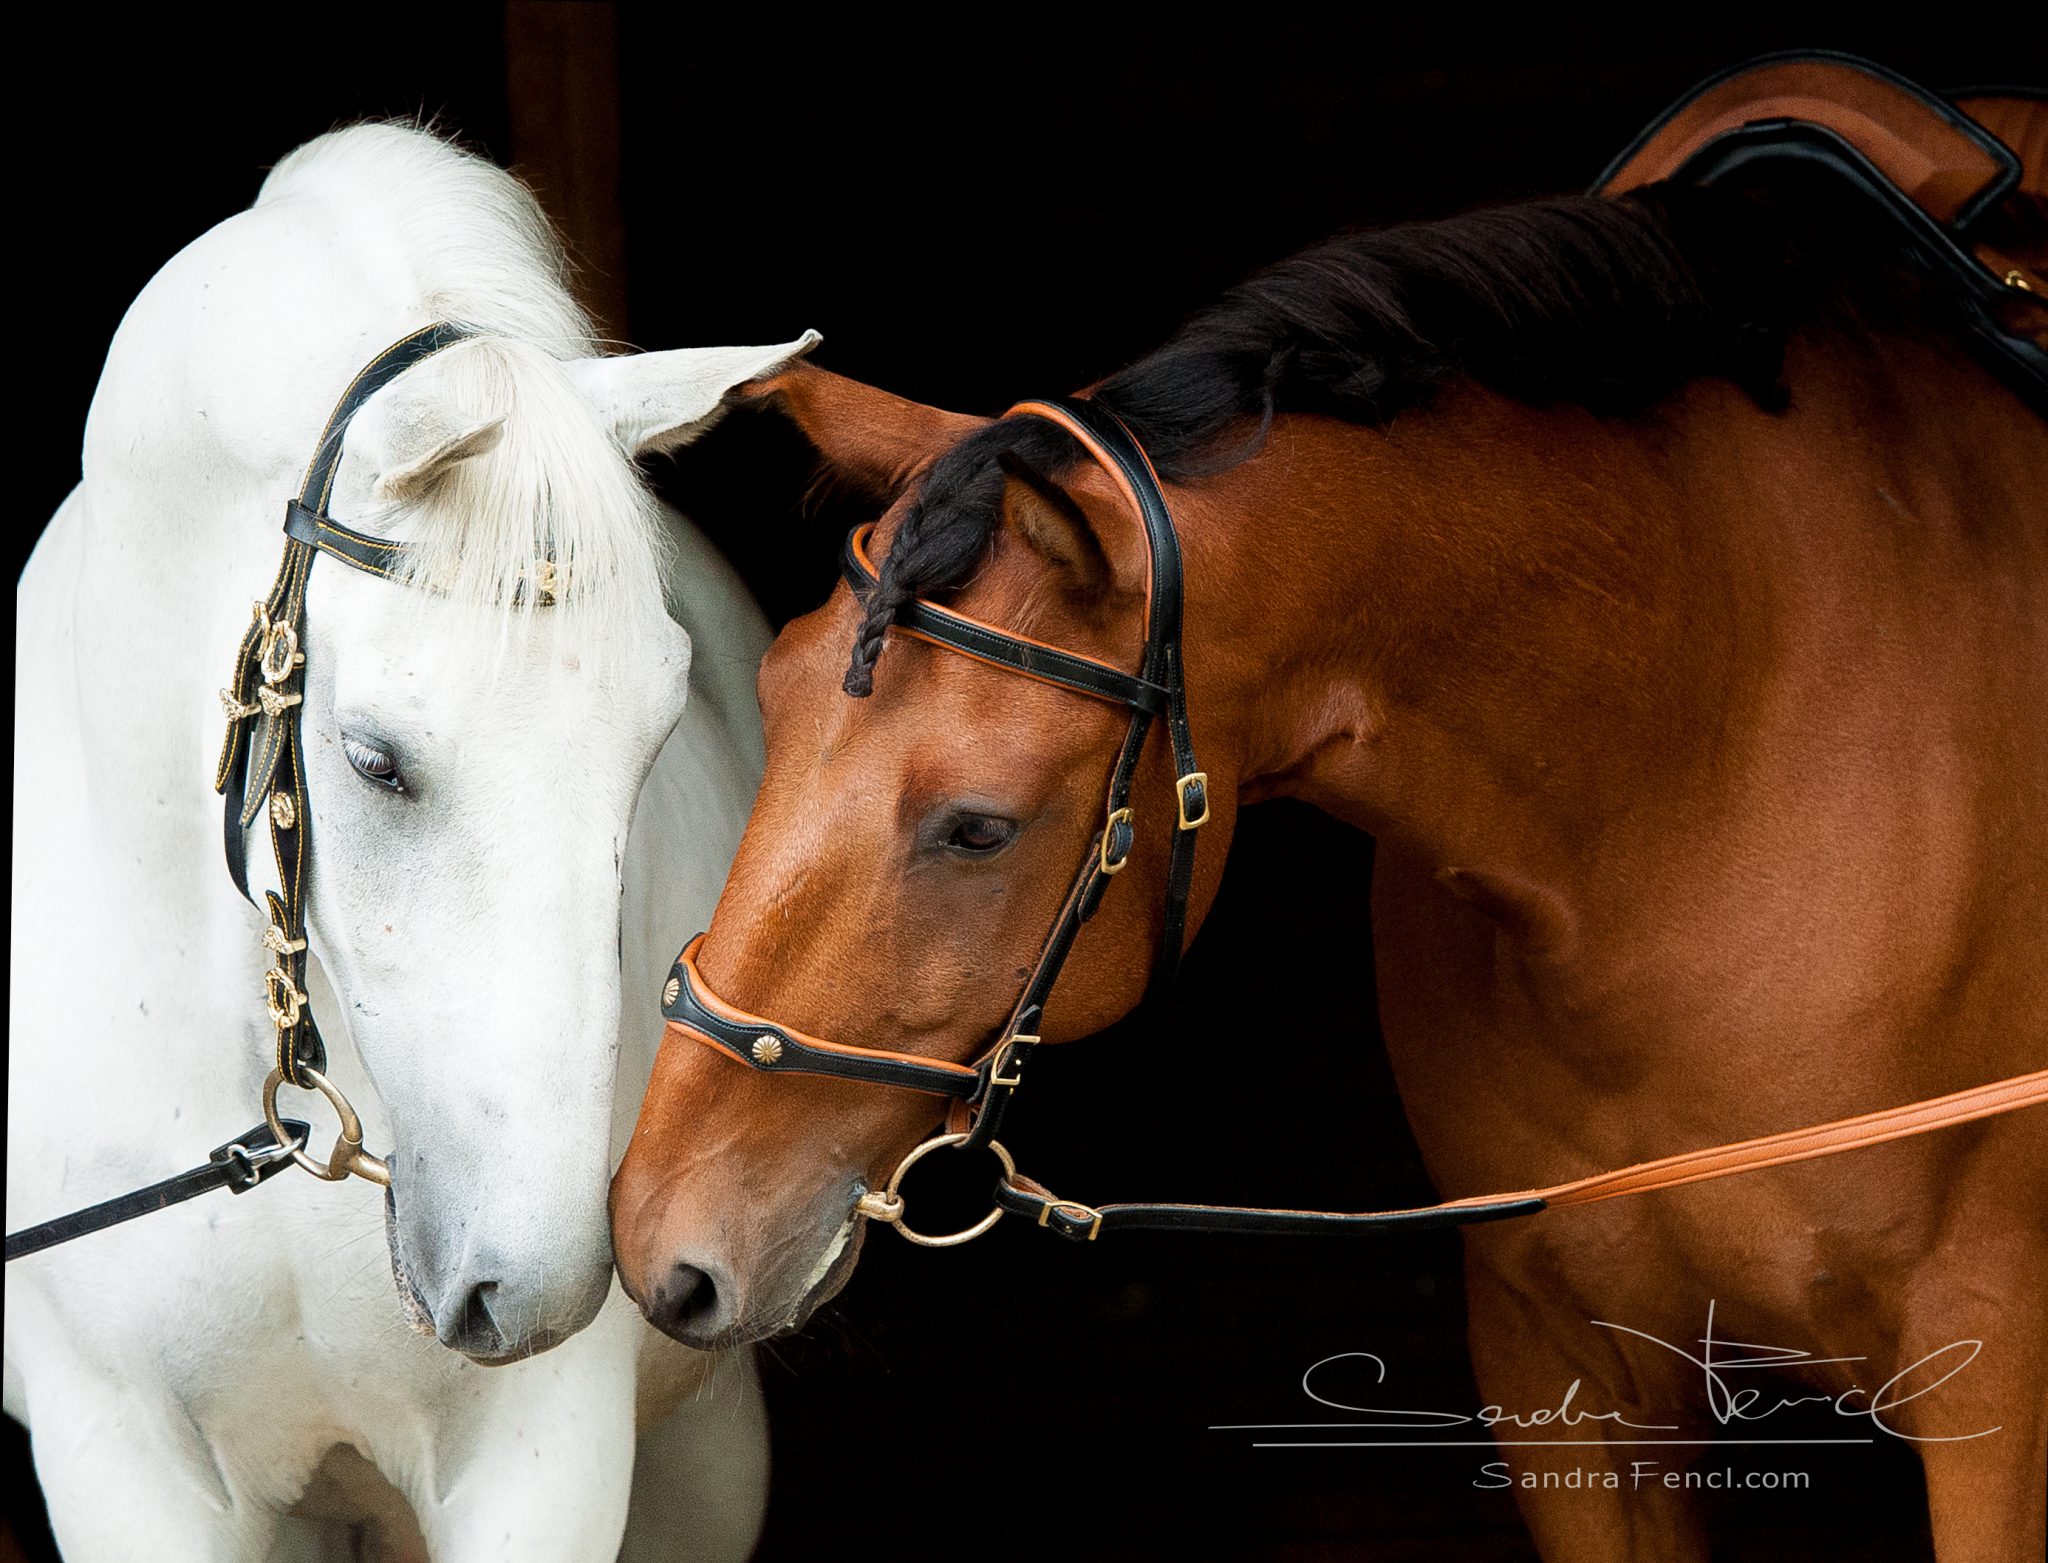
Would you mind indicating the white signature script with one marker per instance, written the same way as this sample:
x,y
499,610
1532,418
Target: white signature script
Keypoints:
x,y
1719,1362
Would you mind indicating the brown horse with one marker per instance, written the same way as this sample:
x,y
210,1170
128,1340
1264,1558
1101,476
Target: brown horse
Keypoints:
x,y
1669,598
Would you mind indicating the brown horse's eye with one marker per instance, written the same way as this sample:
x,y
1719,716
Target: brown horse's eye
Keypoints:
x,y
978,834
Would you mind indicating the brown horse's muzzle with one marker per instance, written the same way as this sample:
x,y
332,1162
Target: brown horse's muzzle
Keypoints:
x,y
726,1240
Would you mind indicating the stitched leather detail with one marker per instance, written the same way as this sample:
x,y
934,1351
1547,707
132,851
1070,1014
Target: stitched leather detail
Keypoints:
x,y
376,555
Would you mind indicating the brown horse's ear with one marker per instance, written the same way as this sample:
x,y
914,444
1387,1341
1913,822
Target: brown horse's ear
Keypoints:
x,y
868,438
1046,518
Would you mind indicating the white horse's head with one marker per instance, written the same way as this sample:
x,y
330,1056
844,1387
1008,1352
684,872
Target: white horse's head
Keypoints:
x,y
473,754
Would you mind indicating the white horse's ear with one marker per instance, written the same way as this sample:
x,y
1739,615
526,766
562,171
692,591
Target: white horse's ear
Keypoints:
x,y
662,401
414,452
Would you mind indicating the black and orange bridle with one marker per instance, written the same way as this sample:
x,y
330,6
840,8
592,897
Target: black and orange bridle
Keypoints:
x,y
980,1093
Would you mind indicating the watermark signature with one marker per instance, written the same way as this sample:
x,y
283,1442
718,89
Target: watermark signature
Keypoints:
x,y
1721,1364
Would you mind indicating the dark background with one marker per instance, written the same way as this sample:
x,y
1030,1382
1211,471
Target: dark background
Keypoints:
x,y
1003,205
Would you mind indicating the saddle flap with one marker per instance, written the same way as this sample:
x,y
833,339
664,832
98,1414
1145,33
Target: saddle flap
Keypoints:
x,y
1940,159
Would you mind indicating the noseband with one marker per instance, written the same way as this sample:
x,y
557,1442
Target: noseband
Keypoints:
x,y
980,1093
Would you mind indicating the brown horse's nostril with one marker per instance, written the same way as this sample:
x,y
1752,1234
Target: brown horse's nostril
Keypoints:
x,y
686,1306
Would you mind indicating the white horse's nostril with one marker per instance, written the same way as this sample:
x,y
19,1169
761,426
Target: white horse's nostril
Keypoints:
x,y
471,1325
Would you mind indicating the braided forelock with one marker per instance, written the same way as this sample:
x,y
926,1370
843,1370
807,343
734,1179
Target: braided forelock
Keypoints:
x,y
946,532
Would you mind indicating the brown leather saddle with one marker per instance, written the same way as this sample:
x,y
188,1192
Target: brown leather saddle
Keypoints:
x,y
1965,178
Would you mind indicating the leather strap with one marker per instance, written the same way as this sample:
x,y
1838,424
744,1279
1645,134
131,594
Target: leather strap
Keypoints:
x,y
238,1166
1084,1223
374,555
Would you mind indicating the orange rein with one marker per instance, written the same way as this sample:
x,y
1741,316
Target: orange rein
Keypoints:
x,y
1778,1150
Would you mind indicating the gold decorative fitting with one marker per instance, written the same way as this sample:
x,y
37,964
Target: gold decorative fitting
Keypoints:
x,y
283,812
234,708
671,989
548,579
280,653
278,942
1193,780
766,1050
275,704
282,998
2018,279
1116,817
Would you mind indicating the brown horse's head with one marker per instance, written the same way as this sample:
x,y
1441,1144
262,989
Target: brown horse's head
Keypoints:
x,y
911,845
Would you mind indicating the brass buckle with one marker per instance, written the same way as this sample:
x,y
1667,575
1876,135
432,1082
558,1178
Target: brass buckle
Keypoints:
x,y
348,1155
1072,1207
886,1205
1116,817
1003,1053
1180,792
278,942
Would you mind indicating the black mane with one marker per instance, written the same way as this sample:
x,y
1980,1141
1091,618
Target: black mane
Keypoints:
x,y
1604,304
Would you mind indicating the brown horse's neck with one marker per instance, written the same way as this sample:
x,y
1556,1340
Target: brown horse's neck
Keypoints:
x,y
1534,647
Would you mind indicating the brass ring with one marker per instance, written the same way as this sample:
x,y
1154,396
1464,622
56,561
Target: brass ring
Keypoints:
x,y
887,1205
348,1155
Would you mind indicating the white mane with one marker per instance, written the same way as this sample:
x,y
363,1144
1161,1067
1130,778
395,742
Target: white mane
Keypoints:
x,y
480,252
481,249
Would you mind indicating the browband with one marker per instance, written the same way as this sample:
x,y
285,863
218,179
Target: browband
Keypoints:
x,y
927,621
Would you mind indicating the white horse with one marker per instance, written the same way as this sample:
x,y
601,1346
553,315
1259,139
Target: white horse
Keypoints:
x,y
200,1381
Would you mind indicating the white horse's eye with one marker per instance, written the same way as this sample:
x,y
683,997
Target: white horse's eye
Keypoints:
x,y
373,764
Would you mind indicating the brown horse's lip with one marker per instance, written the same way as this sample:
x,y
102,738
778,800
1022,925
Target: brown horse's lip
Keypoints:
x,y
828,1285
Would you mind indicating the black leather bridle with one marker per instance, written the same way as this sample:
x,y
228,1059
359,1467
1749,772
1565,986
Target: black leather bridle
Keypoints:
x,y
261,770
1155,691
980,1093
